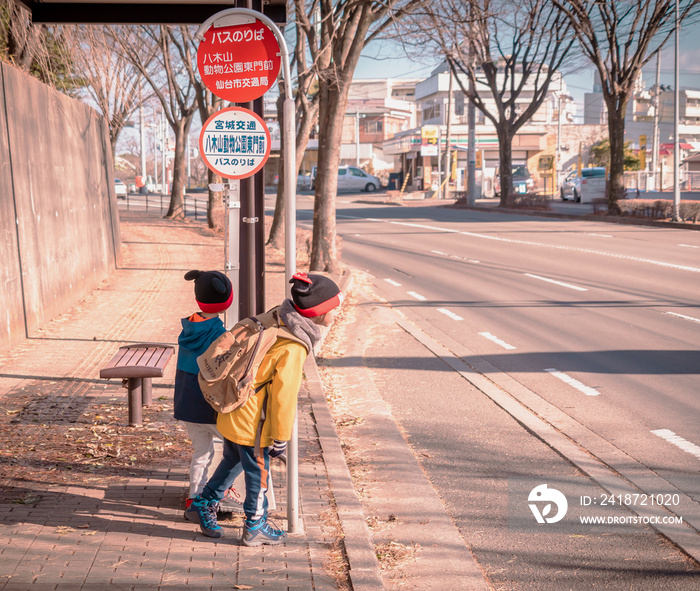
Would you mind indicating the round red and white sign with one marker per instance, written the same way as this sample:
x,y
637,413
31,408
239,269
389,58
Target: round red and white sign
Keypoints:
x,y
234,143
239,63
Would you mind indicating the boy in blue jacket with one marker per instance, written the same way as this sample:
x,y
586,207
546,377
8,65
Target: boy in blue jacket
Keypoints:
x,y
214,293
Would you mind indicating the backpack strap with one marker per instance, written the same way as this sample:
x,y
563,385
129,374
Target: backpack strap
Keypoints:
x,y
263,416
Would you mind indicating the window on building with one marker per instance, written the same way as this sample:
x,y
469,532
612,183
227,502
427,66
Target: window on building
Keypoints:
x,y
374,126
458,98
431,112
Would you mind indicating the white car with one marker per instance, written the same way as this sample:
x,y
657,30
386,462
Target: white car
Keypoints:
x,y
351,178
119,188
356,179
571,187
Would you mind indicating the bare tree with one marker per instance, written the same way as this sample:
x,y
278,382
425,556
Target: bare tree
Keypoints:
x,y
40,50
507,50
208,104
306,108
337,31
620,38
113,82
162,55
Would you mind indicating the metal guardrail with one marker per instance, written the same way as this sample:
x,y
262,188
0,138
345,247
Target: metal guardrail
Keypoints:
x,y
661,181
197,206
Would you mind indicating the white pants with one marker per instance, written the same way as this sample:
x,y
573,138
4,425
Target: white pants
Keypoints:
x,y
207,446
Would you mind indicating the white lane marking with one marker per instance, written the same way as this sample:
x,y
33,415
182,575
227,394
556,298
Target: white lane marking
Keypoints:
x,y
392,282
678,441
600,235
691,318
587,390
417,296
496,340
532,243
447,312
569,285
439,252
689,245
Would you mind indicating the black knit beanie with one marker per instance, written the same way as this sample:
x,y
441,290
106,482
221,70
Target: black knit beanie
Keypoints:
x,y
212,290
314,295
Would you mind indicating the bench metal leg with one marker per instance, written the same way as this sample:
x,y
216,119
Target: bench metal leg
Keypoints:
x,y
146,392
134,386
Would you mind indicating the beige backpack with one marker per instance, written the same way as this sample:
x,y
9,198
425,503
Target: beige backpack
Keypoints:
x,y
227,369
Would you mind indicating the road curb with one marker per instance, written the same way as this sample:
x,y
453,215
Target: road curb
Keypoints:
x,y
364,566
586,217
364,573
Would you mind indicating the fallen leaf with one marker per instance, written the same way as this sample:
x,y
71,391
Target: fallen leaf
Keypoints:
x,y
242,587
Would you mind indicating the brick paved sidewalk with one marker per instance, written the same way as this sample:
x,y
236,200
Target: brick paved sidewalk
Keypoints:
x,y
131,534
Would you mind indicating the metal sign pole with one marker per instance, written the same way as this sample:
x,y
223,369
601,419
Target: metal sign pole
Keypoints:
x,y
290,195
233,265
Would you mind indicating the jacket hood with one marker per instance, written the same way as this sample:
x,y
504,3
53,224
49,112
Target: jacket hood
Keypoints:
x,y
194,339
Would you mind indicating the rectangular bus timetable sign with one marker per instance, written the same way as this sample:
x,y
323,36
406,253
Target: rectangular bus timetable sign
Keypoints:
x,y
235,143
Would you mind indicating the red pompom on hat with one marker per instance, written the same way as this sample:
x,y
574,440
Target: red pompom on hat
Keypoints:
x,y
212,290
314,295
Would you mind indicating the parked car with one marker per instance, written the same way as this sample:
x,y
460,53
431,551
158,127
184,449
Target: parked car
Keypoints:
x,y
119,188
522,181
304,180
351,178
574,185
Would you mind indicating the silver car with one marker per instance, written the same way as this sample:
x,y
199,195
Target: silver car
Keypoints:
x,y
571,187
351,178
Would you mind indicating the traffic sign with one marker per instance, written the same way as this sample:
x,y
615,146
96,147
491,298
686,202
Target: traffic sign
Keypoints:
x,y
235,143
239,63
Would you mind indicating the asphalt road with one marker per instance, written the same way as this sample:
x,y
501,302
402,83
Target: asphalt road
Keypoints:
x,y
594,321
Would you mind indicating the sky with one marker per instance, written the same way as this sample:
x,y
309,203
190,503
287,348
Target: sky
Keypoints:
x,y
388,61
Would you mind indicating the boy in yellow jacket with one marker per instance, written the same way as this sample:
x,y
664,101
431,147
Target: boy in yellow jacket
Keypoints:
x,y
248,441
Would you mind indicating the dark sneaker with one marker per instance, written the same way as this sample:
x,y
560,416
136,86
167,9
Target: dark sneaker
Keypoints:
x,y
257,533
203,512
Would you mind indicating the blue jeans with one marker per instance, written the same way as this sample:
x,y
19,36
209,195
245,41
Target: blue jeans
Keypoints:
x,y
256,476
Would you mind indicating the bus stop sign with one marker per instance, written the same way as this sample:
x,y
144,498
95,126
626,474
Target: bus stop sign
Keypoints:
x,y
239,63
234,143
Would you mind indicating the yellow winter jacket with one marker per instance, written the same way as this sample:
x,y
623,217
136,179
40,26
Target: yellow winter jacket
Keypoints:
x,y
282,367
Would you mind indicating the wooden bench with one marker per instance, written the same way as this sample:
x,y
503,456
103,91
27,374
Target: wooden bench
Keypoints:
x,y
136,365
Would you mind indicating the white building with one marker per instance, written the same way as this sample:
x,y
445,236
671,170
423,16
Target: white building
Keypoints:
x,y
537,137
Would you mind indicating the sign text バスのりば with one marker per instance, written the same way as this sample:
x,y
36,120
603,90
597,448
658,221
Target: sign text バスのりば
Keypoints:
x,y
239,63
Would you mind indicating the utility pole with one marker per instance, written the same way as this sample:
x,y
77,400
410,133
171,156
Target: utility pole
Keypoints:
x,y
163,190
655,136
676,117
557,166
142,133
471,123
357,137
448,137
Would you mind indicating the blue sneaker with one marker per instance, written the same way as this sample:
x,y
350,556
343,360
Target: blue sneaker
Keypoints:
x,y
257,533
203,512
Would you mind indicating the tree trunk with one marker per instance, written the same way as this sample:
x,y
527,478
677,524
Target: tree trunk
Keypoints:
x,y
307,120
505,166
324,252
176,210
616,133
276,236
215,204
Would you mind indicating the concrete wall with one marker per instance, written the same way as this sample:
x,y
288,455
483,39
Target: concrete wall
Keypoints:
x,y
59,229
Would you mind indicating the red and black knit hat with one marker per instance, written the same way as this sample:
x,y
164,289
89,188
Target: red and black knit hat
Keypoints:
x,y
212,290
314,295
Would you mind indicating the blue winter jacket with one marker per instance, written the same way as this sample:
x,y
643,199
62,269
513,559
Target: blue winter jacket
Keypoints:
x,y
194,340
